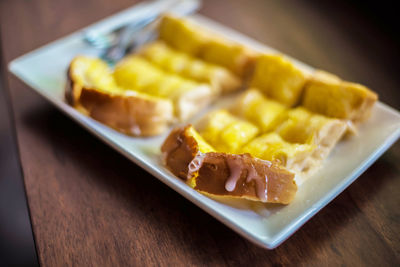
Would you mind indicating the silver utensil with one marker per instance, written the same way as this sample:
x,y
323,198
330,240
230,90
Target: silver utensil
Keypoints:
x,y
125,39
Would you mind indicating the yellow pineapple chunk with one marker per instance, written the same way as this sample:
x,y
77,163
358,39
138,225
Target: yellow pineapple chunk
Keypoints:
x,y
338,99
254,107
181,34
225,132
272,147
278,79
187,66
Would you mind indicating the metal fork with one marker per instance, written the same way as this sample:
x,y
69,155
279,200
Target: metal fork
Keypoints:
x,y
127,38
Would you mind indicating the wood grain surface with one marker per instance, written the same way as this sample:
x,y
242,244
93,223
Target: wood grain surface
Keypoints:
x,y
92,207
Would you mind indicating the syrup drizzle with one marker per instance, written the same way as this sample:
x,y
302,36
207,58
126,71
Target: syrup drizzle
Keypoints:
x,y
195,164
236,166
235,172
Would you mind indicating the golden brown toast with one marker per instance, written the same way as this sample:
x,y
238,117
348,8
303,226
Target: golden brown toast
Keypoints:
x,y
188,37
279,79
136,98
225,174
93,91
328,95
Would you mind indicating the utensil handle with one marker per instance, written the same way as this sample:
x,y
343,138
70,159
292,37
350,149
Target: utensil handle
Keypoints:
x,y
149,11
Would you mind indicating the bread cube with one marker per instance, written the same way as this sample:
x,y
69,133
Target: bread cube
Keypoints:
x,y
339,99
279,79
225,132
253,106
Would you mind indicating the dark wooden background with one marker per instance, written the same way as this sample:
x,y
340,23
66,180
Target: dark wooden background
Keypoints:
x,y
92,207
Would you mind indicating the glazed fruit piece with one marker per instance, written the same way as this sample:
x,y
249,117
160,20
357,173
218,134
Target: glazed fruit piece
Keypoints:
x,y
223,174
279,79
177,62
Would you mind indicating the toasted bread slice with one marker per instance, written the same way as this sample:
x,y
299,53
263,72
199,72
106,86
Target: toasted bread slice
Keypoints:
x,y
171,60
224,174
190,38
279,79
188,96
92,89
300,139
129,112
328,95
87,72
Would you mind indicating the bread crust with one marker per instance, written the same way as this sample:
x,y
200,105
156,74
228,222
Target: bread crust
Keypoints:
x,y
228,175
129,112
354,101
133,115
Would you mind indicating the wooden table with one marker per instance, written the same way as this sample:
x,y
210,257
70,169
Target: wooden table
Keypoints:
x,y
90,206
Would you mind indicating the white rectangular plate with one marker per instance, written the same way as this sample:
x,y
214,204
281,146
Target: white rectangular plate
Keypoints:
x,y
266,225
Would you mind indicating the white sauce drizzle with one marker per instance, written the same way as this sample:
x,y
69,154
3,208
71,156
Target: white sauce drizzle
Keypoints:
x,y
195,164
351,127
235,172
130,93
265,190
135,129
236,165
266,162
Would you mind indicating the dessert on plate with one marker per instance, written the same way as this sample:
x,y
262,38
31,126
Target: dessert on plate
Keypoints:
x,y
163,83
275,133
